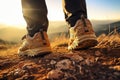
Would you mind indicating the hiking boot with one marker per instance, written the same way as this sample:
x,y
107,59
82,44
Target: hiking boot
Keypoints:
x,y
82,35
36,45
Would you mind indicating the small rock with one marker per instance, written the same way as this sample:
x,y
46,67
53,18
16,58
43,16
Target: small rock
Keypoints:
x,y
96,59
71,78
97,53
81,70
117,73
17,73
117,67
77,58
28,77
40,61
64,64
31,68
55,74
53,62
27,66
48,69
90,61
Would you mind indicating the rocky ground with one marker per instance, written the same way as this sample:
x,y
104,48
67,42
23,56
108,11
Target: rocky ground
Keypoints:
x,y
92,64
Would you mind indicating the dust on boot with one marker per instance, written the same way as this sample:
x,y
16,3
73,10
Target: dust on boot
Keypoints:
x,y
36,45
82,35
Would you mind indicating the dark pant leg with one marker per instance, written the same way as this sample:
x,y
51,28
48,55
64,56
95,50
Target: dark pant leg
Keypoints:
x,y
35,14
73,9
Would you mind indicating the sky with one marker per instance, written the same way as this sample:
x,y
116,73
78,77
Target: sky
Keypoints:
x,y
11,12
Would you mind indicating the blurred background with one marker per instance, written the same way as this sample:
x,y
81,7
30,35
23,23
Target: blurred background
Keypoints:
x,y
104,15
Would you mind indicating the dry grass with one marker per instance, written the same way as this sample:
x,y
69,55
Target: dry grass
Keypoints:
x,y
105,41
109,41
8,50
60,41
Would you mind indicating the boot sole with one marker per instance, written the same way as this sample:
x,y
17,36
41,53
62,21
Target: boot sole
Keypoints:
x,y
87,44
35,52
83,42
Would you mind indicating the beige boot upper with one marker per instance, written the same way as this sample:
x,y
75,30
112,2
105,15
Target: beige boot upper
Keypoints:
x,y
39,43
80,34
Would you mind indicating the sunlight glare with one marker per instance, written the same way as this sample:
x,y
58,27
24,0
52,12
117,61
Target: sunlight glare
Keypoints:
x,y
11,12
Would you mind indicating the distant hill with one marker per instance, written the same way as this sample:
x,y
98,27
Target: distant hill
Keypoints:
x,y
107,28
100,26
56,28
12,34
2,41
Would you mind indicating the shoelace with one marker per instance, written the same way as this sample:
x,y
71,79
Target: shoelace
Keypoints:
x,y
23,37
84,23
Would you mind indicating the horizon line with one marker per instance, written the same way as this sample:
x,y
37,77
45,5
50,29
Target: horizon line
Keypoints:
x,y
5,23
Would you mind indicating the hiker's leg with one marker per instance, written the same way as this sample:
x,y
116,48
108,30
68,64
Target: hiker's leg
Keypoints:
x,y
36,41
35,14
81,32
73,9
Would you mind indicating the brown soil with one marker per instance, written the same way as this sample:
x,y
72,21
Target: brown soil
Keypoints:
x,y
99,63
90,64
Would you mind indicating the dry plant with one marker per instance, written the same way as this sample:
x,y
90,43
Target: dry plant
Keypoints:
x,y
112,40
7,50
60,41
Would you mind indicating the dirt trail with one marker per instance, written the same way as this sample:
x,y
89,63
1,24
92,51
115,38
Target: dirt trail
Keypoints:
x,y
99,63
91,64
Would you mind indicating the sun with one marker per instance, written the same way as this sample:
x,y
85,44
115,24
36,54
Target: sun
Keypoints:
x,y
11,12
